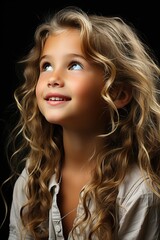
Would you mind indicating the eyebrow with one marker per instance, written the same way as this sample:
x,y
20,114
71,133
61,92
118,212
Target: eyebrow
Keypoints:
x,y
68,55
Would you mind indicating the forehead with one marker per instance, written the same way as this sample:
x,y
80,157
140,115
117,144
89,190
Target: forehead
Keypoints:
x,y
66,39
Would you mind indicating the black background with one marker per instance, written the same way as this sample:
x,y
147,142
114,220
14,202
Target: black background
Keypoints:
x,y
19,21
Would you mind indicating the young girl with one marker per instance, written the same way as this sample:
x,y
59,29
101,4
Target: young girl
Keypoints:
x,y
89,133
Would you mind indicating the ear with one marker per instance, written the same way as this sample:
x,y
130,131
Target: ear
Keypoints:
x,y
123,96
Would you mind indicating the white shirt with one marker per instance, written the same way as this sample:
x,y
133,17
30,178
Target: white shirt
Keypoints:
x,y
138,210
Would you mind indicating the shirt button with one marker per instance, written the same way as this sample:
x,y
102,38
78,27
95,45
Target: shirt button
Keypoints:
x,y
58,228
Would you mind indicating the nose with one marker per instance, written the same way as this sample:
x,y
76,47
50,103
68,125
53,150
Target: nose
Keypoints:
x,y
55,81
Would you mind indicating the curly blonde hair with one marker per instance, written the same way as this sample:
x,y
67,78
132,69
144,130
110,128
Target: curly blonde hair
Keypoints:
x,y
133,133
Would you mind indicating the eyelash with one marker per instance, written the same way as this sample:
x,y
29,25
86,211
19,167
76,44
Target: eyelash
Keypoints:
x,y
44,65
75,63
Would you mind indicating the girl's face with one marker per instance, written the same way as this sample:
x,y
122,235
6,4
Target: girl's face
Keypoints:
x,y
69,86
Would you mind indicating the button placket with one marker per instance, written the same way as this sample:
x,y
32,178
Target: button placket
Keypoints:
x,y
56,217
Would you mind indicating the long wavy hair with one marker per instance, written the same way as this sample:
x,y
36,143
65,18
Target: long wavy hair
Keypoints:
x,y
133,134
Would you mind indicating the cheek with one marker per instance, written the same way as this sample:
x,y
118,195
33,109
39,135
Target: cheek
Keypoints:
x,y
89,91
37,92
39,97
88,96
81,91
38,89
84,88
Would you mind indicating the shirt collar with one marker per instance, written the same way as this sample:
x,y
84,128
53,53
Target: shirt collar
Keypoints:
x,y
52,182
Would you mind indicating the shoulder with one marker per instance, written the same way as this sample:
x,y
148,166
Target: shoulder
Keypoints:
x,y
135,197
136,187
20,185
22,179
138,208
19,198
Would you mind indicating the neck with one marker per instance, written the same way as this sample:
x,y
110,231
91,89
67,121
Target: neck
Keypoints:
x,y
77,149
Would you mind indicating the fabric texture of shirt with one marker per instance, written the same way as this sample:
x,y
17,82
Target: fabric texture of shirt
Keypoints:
x,y
138,210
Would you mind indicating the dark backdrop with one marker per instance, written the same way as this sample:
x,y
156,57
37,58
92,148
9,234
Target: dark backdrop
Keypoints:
x,y
19,20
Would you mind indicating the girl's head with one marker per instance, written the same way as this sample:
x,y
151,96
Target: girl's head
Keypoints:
x,y
130,76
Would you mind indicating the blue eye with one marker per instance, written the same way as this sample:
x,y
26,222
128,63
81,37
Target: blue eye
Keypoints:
x,y
75,66
46,67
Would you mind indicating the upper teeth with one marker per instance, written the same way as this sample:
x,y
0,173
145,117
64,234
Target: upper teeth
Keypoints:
x,y
55,99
